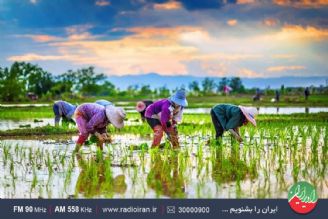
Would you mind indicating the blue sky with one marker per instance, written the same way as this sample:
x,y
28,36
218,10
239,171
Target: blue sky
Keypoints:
x,y
247,38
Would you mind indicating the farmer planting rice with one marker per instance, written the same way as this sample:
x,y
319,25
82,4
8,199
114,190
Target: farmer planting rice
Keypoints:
x,y
104,102
141,108
64,110
92,118
226,117
163,116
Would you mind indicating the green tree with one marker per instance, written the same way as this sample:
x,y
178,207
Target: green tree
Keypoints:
x,y
163,91
88,81
208,85
68,81
37,80
236,84
12,83
145,90
224,82
107,89
194,87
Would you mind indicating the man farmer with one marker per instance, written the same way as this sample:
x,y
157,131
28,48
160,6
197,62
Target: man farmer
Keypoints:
x,y
64,110
92,118
141,108
163,116
306,93
226,117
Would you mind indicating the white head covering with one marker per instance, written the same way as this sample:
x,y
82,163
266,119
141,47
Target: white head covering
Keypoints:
x,y
249,113
115,115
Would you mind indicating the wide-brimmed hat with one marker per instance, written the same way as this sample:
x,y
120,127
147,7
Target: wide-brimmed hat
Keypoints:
x,y
180,98
104,102
249,113
115,115
141,106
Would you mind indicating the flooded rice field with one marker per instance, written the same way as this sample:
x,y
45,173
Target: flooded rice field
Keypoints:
x,y
265,166
8,124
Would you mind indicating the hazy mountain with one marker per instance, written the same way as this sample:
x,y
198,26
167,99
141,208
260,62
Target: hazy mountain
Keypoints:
x,y
171,82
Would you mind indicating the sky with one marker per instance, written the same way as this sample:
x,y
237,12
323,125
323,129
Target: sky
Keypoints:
x,y
222,38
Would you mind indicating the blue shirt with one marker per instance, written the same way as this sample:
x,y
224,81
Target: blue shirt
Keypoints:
x,y
230,116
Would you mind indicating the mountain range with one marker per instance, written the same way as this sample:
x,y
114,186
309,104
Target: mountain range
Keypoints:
x,y
156,80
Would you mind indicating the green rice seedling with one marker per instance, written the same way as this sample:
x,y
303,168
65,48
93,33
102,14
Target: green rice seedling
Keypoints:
x,y
48,162
35,179
68,175
6,153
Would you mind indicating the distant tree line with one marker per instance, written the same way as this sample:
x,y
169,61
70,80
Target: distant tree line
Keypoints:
x,y
21,80
210,86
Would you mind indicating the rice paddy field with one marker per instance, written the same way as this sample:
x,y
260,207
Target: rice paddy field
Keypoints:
x,y
37,159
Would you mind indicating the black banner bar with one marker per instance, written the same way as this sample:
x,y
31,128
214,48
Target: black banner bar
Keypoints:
x,y
151,208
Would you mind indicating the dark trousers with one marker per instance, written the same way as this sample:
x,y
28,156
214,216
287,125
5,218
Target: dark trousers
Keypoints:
x,y
154,122
217,125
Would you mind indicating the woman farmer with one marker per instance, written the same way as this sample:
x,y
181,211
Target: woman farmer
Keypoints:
x,y
226,117
163,116
141,108
64,110
92,118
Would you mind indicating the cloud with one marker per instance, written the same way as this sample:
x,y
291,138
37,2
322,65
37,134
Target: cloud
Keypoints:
x,y
242,2
284,56
270,22
36,57
244,72
170,5
302,3
81,36
102,3
232,22
296,32
39,38
285,68
147,50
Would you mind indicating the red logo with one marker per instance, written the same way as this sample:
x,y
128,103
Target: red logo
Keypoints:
x,y
302,197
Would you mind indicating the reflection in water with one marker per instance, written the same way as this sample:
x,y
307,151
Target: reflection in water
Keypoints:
x,y
166,177
96,179
228,168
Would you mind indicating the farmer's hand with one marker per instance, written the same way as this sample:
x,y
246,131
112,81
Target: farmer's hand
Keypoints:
x,y
107,138
236,135
175,129
100,136
168,135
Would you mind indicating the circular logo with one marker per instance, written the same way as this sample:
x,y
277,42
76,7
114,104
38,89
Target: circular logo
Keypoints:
x,y
302,197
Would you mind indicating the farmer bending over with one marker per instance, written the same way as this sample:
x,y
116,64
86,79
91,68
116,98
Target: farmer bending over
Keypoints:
x,y
226,117
141,108
92,118
64,110
163,116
